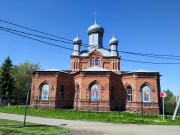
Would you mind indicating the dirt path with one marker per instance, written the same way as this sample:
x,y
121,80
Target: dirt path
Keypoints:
x,y
93,128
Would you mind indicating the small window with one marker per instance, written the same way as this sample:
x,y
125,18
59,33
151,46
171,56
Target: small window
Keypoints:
x,y
61,92
92,62
129,94
98,61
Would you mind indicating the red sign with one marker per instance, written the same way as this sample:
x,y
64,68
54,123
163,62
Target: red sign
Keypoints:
x,y
163,94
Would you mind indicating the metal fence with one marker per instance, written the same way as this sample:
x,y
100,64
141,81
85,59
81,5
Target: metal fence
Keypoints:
x,y
76,104
13,100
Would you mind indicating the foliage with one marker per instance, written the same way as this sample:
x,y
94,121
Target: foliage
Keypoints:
x,y
15,127
169,102
6,79
111,117
23,74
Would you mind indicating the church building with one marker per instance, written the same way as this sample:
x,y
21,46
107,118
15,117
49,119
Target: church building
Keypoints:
x,y
95,81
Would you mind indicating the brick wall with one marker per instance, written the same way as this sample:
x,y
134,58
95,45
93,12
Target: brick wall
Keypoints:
x,y
137,81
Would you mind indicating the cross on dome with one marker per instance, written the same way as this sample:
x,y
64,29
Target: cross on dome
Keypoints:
x,y
95,17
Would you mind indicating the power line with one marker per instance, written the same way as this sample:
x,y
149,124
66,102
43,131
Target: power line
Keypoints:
x,y
86,45
15,32
33,30
149,54
140,54
37,40
17,25
4,28
145,62
72,49
152,55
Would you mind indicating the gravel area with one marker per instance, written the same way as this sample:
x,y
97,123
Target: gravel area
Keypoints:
x,y
81,132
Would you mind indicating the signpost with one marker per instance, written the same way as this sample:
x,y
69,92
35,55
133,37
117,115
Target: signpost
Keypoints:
x,y
28,87
176,109
163,95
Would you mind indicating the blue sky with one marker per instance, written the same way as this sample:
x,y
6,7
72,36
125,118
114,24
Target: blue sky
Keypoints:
x,y
145,26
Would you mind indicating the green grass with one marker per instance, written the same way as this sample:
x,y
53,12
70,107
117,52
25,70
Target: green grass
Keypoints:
x,y
16,127
111,117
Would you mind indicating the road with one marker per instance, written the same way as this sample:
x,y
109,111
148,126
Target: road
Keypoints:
x,y
99,127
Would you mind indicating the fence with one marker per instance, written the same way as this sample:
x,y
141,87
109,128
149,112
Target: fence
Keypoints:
x,y
77,104
13,100
55,103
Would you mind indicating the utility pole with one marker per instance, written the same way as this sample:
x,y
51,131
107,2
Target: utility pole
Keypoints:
x,y
176,109
28,87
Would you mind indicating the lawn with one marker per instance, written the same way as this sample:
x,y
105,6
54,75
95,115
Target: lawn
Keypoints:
x,y
111,117
16,127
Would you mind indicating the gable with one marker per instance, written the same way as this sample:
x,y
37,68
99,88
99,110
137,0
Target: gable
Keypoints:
x,y
95,53
101,52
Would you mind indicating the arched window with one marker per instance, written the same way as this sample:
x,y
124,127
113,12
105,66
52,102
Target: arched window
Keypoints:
x,y
129,94
146,93
95,92
97,61
92,62
45,92
61,92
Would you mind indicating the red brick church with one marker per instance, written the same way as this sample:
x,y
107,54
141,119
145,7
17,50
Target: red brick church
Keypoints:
x,y
95,81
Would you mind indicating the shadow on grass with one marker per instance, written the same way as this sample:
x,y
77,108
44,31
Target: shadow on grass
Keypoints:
x,y
22,126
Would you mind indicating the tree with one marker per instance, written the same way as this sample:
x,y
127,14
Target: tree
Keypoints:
x,y
23,74
169,102
6,78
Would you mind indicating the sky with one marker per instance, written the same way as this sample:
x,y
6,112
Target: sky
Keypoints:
x,y
141,26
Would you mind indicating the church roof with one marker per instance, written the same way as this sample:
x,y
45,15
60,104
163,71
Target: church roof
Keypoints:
x,y
103,51
51,70
95,68
113,41
142,70
95,28
77,40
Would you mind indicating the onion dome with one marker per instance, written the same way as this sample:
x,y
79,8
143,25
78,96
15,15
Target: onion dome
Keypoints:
x,y
95,28
77,40
113,41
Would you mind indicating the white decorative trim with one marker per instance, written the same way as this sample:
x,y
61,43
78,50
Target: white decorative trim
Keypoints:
x,y
46,104
140,107
90,106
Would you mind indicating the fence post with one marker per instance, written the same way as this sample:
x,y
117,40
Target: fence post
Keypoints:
x,y
17,101
97,106
76,103
36,102
141,93
119,105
